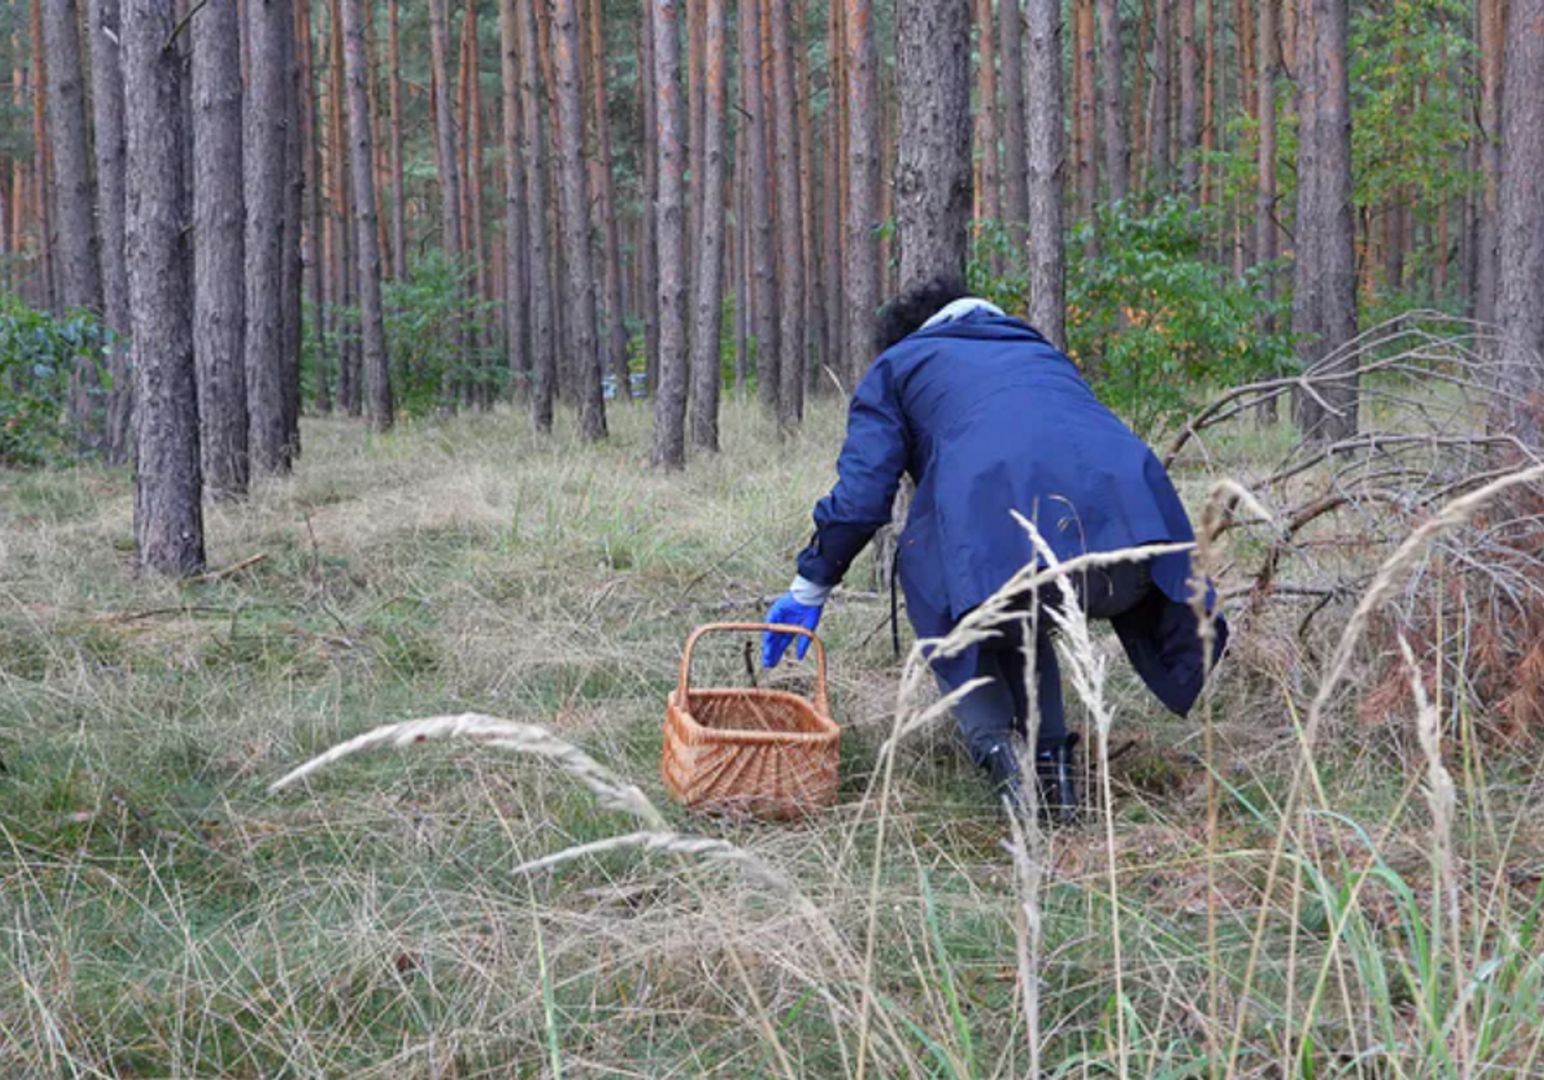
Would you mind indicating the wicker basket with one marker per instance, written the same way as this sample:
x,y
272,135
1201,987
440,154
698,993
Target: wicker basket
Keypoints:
x,y
747,751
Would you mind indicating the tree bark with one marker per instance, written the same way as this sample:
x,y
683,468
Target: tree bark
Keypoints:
x,y
1010,43
219,252
1265,107
705,374
42,161
168,513
988,196
669,446
104,35
579,296
1084,52
292,268
377,371
1046,159
762,269
1158,142
1139,114
345,277
516,283
449,167
1189,103
1492,50
79,277
398,175
834,185
932,180
1117,163
1324,297
614,343
313,253
79,273
1208,101
1521,284
269,24
861,255
790,275
543,344
649,262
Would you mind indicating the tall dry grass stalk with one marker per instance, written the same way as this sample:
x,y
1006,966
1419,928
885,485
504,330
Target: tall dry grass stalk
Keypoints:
x,y
1455,514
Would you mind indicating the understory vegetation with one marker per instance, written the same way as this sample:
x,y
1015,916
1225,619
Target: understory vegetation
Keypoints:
x,y
1364,902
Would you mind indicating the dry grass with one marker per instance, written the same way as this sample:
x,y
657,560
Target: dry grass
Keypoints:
x,y
466,910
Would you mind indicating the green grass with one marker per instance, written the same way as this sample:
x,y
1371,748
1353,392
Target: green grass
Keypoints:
x,y
162,914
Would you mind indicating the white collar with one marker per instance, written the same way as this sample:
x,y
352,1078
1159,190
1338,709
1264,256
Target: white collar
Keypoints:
x,y
960,308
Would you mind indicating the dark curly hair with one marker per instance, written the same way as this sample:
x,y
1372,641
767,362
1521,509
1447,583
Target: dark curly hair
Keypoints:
x,y
905,314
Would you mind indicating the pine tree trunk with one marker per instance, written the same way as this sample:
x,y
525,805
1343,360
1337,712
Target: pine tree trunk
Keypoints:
x,y
1117,164
1324,297
269,24
517,286
294,211
669,447
1084,53
377,371
932,179
312,253
1010,44
790,263
1265,168
1139,116
861,253
42,162
219,252
104,35
811,289
1492,49
763,254
1189,103
168,512
480,388
79,273
579,295
543,340
79,277
1208,101
1521,282
832,187
988,198
344,272
449,167
398,177
691,16
1158,142
1047,157
614,343
649,262
705,370
470,233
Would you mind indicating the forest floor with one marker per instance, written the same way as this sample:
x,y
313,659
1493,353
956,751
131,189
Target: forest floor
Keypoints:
x,y
161,913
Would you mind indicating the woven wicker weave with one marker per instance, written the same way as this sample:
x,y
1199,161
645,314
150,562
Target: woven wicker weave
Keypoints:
x,y
747,751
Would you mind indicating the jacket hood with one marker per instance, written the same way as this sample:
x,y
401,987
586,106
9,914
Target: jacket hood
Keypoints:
x,y
982,325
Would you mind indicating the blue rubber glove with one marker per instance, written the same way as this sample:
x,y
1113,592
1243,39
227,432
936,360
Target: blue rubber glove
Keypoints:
x,y
787,611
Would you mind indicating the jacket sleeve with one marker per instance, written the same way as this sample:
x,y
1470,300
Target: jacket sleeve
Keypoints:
x,y
868,473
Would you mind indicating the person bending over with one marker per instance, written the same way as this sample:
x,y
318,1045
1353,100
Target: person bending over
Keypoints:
x,y
988,418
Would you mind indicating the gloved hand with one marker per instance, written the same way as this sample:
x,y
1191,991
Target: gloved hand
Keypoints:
x,y
788,612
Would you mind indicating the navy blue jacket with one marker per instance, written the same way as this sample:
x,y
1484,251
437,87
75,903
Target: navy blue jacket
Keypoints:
x,y
987,417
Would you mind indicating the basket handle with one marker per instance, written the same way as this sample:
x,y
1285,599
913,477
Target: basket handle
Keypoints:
x,y
683,687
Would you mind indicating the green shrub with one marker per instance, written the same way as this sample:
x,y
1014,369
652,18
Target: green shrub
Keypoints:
x,y
37,353
1156,326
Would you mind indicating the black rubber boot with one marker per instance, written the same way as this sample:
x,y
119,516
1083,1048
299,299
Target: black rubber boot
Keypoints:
x,y
1056,775
1002,765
